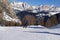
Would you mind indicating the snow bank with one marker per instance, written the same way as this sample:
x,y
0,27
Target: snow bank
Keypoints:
x,y
30,33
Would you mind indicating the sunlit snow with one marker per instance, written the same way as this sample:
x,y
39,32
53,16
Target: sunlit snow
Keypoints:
x,y
30,33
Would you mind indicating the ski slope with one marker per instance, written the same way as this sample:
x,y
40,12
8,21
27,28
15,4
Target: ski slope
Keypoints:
x,y
30,33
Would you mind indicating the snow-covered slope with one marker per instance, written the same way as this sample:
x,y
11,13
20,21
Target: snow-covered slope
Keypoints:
x,y
26,6
20,6
7,14
35,9
30,33
8,18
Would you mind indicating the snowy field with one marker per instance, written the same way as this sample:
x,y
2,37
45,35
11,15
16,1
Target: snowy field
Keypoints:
x,y
30,33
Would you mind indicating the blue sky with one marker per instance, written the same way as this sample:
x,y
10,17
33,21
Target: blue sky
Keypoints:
x,y
39,2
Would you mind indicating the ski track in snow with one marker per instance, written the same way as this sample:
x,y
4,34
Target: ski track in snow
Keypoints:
x,y
30,33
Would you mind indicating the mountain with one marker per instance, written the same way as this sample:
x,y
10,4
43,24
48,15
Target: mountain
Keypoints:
x,y
21,6
45,15
7,15
25,14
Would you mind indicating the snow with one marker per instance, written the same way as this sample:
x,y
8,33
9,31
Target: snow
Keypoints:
x,y
30,33
21,6
53,13
8,18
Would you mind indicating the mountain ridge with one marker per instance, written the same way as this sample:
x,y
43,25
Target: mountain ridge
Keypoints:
x,y
22,6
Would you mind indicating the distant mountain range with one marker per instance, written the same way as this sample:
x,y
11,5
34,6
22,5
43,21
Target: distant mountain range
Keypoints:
x,y
27,7
21,6
46,15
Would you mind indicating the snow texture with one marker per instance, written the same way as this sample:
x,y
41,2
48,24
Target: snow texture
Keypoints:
x,y
30,33
8,18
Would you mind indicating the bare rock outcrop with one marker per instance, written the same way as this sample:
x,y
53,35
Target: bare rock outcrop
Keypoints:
x,y
29,20
52,21
7,15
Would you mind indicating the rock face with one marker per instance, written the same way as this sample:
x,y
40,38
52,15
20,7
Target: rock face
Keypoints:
x,y
7,15
52,21
40,21
29,20
58,17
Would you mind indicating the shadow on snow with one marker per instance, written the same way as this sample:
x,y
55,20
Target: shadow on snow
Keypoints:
x,y
43,32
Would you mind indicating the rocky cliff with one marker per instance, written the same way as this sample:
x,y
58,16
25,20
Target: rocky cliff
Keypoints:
x,y
7,15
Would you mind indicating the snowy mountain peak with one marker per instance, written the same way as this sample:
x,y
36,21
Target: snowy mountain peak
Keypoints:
x,y
21,6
